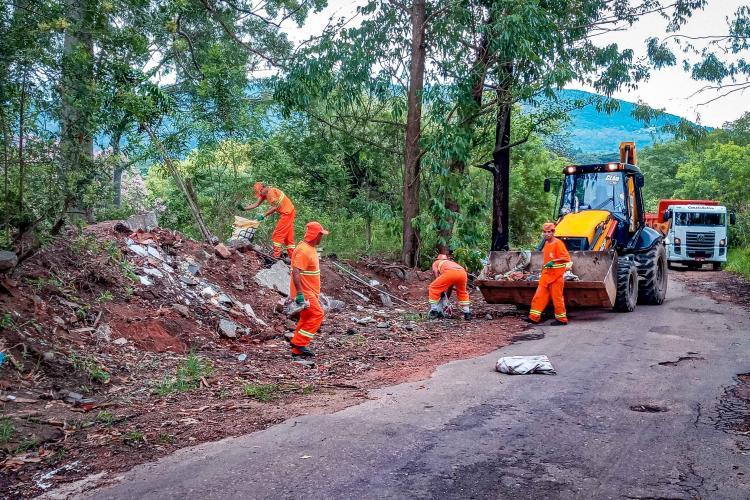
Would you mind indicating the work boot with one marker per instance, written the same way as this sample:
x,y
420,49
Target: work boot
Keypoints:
x,y
526,319
558,323
434,313
301,351
467,316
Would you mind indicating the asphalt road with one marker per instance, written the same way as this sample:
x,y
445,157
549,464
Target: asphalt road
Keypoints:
x,y
470,432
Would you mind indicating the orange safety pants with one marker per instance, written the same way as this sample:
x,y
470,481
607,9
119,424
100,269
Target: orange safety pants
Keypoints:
x,y
309,322
283,235
452,277
551,284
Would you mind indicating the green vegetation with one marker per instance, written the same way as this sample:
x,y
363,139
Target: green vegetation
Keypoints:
x,y
187,376
90,367
105,418
7,430
6,321
261,392
133,437
738,261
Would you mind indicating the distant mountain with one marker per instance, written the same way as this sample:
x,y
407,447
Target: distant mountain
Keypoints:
x,y
593,137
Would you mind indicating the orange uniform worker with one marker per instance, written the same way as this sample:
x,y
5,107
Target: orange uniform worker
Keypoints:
x,y
283,234
552,281
305,286
448,274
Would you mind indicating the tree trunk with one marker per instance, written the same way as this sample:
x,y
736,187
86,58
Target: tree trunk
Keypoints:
x,y
458,166
117,170
192,204
412,155
76,94
21,137
501,162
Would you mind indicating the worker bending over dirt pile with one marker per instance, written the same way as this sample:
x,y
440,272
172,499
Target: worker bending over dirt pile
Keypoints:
x,y
283,234
448,274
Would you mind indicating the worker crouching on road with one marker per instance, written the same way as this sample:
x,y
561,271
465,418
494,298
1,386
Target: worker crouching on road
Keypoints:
x,y
552,281
305,286
283,234
448,274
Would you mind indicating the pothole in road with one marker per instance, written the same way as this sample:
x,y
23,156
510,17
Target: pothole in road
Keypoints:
x,y
649,408
734,407
534,335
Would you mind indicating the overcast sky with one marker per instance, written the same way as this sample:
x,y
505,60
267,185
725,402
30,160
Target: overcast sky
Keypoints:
x,y
668,88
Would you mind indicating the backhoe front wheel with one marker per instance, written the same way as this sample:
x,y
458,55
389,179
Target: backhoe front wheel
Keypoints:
x,y
652,269
627,285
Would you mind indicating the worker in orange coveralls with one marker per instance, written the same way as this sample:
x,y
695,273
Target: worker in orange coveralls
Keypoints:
x,y
283,234
305,286
552,281
448,274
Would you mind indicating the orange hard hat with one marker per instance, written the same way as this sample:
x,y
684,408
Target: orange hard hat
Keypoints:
x,y
313,229
548,226
257,187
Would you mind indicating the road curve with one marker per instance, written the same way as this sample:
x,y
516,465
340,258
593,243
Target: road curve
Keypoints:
x,y
469,432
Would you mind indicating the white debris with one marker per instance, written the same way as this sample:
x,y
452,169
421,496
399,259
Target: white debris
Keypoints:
x,y
209,292
523,365
145,281
153,252
153,272
249,311
120,341
138,249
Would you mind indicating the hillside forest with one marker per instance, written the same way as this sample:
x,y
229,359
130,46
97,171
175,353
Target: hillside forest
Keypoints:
x,y
408,128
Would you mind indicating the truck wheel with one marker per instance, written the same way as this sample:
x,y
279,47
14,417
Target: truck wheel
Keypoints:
x,y
627,285
717,266
652,270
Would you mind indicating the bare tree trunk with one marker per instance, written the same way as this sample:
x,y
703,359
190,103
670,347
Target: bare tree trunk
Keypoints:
x,y
412,156
76,112
192,204
501,161
21,136
458,166
117,170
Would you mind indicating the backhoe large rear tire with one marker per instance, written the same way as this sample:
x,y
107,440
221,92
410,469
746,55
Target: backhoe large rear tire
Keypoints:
x,y
627,285
652,270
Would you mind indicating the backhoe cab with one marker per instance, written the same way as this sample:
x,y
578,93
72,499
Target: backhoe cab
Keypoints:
x,y
601,219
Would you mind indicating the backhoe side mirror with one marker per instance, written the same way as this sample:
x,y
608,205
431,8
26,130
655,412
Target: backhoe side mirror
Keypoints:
x,y
639,181
548,186
732,218
667,216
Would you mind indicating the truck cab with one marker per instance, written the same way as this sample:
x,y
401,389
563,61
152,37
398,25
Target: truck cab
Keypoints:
x,y
697,235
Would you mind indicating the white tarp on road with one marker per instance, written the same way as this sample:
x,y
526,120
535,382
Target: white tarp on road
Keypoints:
x,y
523,365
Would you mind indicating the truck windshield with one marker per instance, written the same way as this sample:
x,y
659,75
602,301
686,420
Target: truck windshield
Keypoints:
x,y
699,219
594,191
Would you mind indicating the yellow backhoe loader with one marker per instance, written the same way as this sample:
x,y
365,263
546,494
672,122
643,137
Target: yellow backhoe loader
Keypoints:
x,y
618,260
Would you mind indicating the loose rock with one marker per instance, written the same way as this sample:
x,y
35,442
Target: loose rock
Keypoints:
x,y
222,251
8,260
228,328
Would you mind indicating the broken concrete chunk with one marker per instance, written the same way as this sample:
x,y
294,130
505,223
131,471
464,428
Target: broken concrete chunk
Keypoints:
x,y
382,324
228,328
188,280
120,341
137,249
8,260
193,269
145,281
386,300
153,272
222,251
209,292
363,321
224,299
275,277
168,268
249,311
153,252
181,309
362,296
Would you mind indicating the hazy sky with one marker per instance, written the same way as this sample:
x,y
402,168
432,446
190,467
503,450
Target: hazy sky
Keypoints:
x,y
668,88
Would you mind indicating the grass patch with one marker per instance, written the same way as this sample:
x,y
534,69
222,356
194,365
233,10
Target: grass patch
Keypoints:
x,y
738,261
89,366
133,437
261,392
7,430
6,322
187,377
105,418
166,438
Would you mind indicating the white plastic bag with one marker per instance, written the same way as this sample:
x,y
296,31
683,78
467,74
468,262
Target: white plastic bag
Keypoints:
x,y
524,365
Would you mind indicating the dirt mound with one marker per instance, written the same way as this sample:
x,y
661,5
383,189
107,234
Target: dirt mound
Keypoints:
x,y
114,339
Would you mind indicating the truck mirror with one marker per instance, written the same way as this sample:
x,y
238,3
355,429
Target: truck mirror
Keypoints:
x,y
732,218
667,216
547,185
639,181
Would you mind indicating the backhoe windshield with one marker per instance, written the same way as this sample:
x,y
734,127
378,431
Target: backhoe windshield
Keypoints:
x,y
699,219
594,191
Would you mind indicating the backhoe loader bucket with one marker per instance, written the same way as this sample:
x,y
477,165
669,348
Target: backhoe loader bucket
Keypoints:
x,y
597,273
